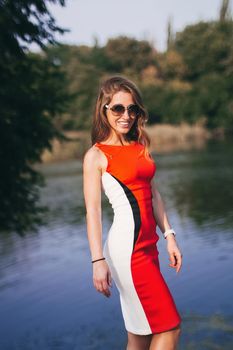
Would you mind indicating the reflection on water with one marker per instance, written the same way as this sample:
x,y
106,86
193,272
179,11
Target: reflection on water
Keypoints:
x,y
47,299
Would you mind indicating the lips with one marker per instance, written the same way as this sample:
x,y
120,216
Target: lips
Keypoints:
x,y
123,124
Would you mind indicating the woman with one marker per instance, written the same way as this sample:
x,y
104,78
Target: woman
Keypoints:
x,y
119,160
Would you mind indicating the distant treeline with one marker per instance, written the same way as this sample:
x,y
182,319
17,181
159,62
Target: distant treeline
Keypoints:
x,y
192,80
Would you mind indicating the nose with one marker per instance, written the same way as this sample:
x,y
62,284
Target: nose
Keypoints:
x,y
126,114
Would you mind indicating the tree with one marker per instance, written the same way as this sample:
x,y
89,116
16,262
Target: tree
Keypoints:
x,y
205,47
123,52
83,66
25,22
207,51
170,35
224,14
32,93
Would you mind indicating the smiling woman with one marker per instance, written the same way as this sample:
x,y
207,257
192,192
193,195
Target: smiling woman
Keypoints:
x,y
119,108
122,117
119,158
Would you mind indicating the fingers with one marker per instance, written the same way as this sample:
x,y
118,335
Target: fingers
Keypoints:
x,y
106,290
109,279
176,261
103,288
179,262
102,285
173,260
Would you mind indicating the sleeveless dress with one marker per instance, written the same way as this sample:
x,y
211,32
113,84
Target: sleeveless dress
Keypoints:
x,y
130,248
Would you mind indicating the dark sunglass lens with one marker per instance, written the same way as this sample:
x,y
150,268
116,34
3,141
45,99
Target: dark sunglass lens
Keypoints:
x,y
118,109
134,110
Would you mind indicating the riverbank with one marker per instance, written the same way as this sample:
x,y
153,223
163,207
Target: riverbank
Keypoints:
x,y
164,138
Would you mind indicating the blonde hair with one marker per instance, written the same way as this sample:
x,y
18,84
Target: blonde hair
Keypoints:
x,y
101,128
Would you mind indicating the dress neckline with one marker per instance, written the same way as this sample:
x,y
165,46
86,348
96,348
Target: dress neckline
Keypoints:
x,y
108,145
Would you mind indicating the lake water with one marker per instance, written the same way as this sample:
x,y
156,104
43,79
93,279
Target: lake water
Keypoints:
x,y
47,298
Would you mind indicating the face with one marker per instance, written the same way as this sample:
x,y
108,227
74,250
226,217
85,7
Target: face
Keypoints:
x,y
121,123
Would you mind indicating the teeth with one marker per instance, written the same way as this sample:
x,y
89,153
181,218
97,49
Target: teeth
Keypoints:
x,y
123,123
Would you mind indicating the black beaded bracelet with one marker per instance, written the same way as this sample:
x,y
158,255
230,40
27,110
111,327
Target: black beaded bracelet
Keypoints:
x,y
97,260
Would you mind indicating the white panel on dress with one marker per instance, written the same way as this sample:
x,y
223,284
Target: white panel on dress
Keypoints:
x,y
118,250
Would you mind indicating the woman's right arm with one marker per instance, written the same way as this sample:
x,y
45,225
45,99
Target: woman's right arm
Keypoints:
x,y
92,197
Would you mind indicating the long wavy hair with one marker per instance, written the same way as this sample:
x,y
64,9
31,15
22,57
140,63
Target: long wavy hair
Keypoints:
x,y
101,129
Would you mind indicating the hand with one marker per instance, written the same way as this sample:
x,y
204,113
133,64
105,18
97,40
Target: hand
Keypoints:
x,y
175,255
102,277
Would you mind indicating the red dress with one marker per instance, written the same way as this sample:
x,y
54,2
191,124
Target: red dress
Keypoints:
x,y
130,248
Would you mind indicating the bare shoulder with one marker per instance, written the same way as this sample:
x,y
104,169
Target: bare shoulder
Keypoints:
x,y
92,159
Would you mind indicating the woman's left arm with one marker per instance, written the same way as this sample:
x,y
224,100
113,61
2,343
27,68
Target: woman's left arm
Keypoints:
x,y
162,221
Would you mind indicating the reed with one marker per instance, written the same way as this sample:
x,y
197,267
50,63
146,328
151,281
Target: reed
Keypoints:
x,y
164,138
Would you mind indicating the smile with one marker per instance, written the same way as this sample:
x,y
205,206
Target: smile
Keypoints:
x,y
123,123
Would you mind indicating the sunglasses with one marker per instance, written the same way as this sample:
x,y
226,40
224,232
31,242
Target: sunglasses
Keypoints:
x,y
118,109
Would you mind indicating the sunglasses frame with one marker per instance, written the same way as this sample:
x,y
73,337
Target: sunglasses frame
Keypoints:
x,y
125,108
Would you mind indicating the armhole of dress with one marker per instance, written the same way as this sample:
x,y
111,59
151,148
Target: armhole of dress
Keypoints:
x,y
107,156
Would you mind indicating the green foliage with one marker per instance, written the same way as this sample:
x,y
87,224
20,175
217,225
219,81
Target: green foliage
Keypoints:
x,y
83,74
205,47
164,103
26,21
124,52
32,93
176,85
212,96
207,50
85,66
171,66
